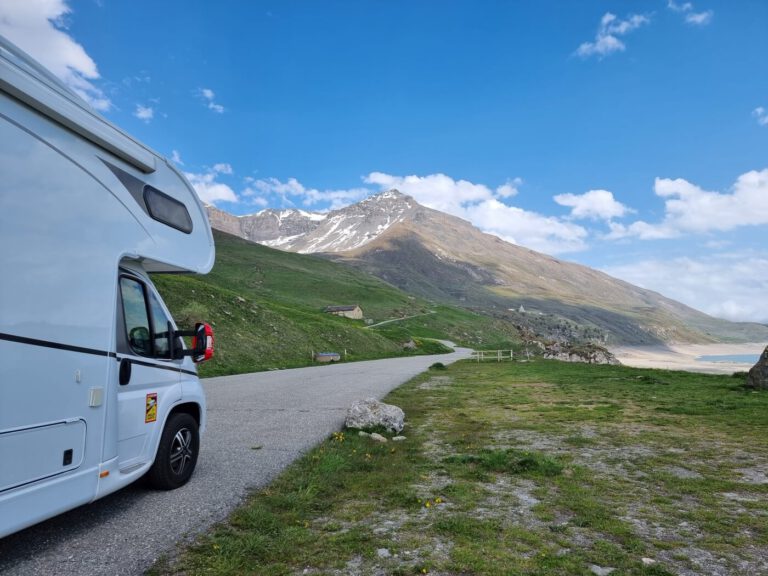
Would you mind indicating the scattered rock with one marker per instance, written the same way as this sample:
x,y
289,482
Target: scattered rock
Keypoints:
x,y
739,497
378,437
370,413
680,472
757,377
410,345
363,433
241,299
398,438
753,475
383,553
599,570
648,561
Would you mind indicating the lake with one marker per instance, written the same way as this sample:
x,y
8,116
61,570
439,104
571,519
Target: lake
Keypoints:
x,y
740,358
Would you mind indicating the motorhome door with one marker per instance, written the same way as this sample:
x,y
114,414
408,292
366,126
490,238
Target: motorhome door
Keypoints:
x,y
147,377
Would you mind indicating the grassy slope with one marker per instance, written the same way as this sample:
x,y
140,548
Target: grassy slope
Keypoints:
x,y
541,468
266,308
482,273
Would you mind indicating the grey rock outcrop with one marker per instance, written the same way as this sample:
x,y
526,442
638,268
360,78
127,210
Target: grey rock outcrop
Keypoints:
x,y
370,413
308,232
588,354
758,374
270,227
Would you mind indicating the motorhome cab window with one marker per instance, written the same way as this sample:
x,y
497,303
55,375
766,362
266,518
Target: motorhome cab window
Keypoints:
x,y
146,323
167,210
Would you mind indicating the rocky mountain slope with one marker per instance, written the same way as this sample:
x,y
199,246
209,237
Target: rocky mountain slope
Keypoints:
x,y
308,232
443,258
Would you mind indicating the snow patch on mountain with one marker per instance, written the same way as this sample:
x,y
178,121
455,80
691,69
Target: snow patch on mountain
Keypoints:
x,y
307,232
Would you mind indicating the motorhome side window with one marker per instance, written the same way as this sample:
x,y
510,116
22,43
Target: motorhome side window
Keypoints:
x,y
146,323
167,210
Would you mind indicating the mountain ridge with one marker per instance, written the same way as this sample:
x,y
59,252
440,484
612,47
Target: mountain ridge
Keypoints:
x,y
438,256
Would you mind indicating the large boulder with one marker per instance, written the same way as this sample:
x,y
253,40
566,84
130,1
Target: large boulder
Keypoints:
x,y
758,374
370,413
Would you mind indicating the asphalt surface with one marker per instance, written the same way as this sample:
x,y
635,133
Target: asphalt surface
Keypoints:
x,y
257,425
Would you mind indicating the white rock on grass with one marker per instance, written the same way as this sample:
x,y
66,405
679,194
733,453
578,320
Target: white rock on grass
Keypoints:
x,y
371,413
378,437
599,570
398,438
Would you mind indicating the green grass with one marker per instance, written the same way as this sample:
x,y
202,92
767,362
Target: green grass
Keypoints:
x,y
302,281
266,309
521,468
461,326
255,334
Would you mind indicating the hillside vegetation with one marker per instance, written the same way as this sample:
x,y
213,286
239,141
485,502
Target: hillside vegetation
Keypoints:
x,y
266,309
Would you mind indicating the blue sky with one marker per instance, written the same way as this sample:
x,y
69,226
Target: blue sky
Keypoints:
x,y
628,136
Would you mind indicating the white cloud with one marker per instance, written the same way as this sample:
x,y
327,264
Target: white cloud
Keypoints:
x,y
208,189
209,96
594,205
254,198
176,158
223,168
39,28
485,209
691,210
293,191
607,38
723,285
436,191
510,188
543,233
689,15
761,115
145,113
675,7
699,18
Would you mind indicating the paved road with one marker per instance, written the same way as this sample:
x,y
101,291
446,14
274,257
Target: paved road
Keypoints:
x,y
285,412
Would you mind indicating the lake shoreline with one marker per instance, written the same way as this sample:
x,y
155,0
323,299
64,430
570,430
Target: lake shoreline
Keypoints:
x,y
684,356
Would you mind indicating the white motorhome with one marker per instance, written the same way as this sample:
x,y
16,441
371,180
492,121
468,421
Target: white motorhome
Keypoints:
x,y
96,388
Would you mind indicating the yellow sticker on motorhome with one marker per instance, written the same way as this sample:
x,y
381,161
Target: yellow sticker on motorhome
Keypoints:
x,y
151,409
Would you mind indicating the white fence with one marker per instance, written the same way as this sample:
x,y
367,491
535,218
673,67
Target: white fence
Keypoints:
x,y
497,355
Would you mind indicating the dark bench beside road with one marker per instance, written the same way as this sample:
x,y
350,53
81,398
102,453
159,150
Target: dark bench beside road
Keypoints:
x,y
283,412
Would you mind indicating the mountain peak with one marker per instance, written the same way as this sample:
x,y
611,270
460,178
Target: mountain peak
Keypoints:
x,y
393,194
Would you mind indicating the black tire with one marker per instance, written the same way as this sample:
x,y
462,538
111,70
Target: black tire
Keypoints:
x,y
177,453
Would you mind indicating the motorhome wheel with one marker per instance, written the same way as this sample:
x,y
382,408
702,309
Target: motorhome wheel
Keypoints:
x,y
177,453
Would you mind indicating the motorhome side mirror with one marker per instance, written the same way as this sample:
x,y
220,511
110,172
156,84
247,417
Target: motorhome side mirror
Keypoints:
x,y
202,343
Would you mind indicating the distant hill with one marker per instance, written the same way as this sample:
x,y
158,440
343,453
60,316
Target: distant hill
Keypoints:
x,y
266,309
446,260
